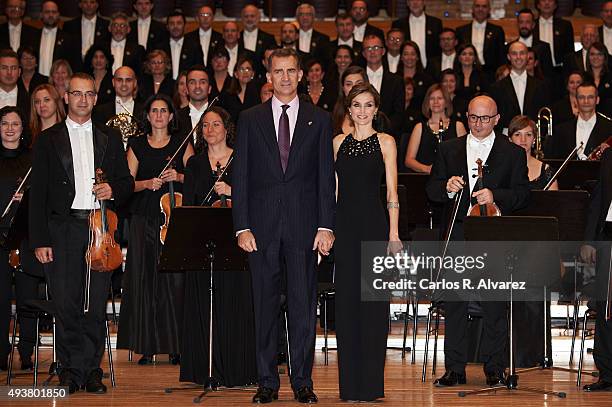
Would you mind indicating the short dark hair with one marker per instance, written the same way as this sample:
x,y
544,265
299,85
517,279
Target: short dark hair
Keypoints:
x,y
220,52
395,30
27,49
588,84
342,16
176,13
284,53
525,11
195,68
83,76
312,62
448,71
448,30
146,124
518,123
8,53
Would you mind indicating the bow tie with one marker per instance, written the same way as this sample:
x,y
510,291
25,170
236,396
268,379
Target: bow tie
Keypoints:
x,y
475,143
84,126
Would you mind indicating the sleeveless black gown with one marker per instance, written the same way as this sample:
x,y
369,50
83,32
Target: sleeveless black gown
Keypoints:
x,y
361,327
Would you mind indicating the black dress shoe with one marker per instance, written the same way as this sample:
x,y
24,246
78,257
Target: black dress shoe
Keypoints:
x,y
495,380
600,385
94,382
305,395
450,378
66,381
146,360
175,359
265,395
26,363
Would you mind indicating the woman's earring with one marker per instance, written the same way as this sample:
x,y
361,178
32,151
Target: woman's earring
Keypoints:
x,y
375,114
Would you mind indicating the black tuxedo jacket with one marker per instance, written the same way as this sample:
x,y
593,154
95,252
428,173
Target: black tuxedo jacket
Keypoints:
x,y
319,46
433,27
157,34
358,58
29,35
64,48
563,140
373,30
291,205
37,79
392,98
494,44
52,185
215,39
264,41
508,106
542,51
146,88
601,35
573,62
191,53
133,55
73,29
102,113
505,175
601,199
563,37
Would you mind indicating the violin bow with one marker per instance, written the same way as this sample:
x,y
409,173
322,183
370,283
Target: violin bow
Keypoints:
x,y
208,195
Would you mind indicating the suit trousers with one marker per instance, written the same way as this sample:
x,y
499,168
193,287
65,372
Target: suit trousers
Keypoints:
x,y
80,336
266,268
602,346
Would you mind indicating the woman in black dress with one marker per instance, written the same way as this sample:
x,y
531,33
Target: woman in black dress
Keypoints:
x,y
470,77
362,159
99,63
598,72
220,78
30,78
448,80
234,326
410,66
427,135
566,108
321,96
157,77
243,92
151,308
343,58
46,109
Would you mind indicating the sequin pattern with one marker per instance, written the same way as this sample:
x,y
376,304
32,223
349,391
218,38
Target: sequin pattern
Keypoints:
x,y
355,148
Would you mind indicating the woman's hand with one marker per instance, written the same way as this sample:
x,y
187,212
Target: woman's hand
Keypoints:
x,y
170,175
17,197
221,188
154,184
395,246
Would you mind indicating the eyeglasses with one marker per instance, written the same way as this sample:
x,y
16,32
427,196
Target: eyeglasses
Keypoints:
x,y
245,69
483,119
205,14
374,48
120,25
13,68
79,94
394,39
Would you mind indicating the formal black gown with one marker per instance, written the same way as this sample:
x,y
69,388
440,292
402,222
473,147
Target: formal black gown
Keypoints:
x,y
152,303
234,326
361,327
428,147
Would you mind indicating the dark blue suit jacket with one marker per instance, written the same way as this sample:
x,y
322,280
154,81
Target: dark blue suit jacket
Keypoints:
x,y
290,205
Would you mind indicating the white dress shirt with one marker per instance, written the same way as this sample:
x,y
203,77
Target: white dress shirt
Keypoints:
x,y
195,115
81,144
527,41
15,35
546,35
88,33
448,61
47,45
292,112
583,132
143,31
375,77
205,43
476,149
359,32
117,49
249,39
478,38
519,82
417,34
609,215
176,47
348,42
128,107
584,54
607,37
233,58
305,37
8,98
393,61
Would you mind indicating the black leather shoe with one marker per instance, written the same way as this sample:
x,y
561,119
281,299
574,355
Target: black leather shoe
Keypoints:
x,y
450,378
306,395
94,382
175,359
265,395
146,360
66,381
26,363
600,385
495,380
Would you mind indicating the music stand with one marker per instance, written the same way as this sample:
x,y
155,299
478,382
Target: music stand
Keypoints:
x,y
511,228
202,239
576,173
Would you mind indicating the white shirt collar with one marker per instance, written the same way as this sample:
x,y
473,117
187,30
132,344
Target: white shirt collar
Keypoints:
x,y
204,33
378,72
9,94
485,142
118,43
587,123
49,31
15,27
88,21
412,17
178,42
606,29
192,108
519,76
480,26
547,20
277,104
74,125
303,32
348,42
253,33
144,21
129,104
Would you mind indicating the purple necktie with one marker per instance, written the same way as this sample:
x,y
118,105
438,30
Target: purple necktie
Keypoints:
x,y
283,137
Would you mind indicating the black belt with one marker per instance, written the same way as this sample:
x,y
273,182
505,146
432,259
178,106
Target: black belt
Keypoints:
x,y
80,213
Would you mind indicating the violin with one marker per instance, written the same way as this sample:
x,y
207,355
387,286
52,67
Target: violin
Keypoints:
x,y
14,259
489,209
598,152
223,201
167,203
103,253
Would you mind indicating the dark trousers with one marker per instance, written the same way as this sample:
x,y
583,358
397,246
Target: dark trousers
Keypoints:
x,y
5,304
26,288
80,336
602,347
494,336
266,269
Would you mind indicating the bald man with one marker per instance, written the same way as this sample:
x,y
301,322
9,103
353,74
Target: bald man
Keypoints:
x,y
506,184
205,35
577,60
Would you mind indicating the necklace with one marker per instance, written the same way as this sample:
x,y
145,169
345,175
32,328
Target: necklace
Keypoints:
x,y
320,93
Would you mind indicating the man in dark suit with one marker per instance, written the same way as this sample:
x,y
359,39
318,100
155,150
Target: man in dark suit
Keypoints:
x,y
311,42
589,127
87,29
183,54
52,42
62,196
360,14
254,39
578,60
205,36
389,85
526,23
488,39
344,30
231,38
421,28
15,33
283,197
446,60
124,52
146,31
393,43
198,90
599,234
12,92
506,184
605,30
555,31
518,93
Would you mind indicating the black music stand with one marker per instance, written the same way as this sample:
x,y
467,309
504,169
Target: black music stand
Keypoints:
x,y
202,239
576,174
509,229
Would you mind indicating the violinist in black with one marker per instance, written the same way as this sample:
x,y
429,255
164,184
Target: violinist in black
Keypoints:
x,y
151,308
234,351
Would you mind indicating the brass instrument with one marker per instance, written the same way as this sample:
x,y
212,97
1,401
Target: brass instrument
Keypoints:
x,y
543,114
126,123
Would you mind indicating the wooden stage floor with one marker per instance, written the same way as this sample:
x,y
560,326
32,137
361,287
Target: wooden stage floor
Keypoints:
x,y
144,385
